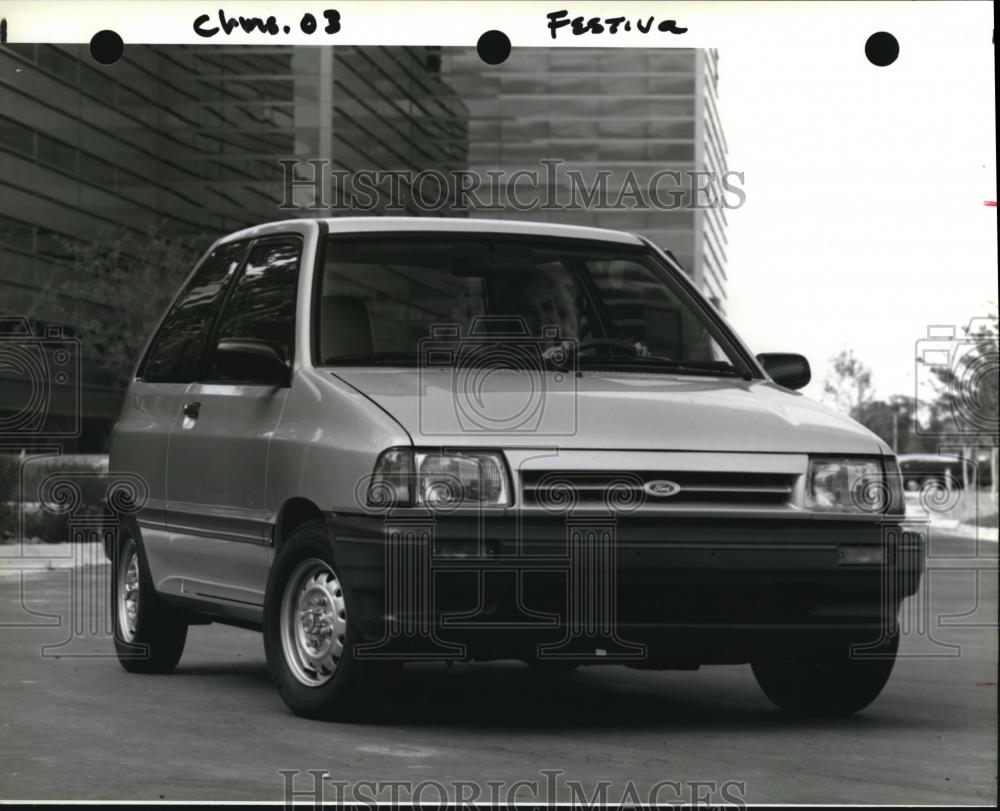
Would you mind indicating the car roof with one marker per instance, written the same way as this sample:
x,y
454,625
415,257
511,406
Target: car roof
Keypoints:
x,y
368,225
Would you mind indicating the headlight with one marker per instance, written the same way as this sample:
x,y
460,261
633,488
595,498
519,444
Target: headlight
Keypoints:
x,y
440,481
847,485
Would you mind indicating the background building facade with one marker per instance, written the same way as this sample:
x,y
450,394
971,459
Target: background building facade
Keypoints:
x,y
594,109
188,139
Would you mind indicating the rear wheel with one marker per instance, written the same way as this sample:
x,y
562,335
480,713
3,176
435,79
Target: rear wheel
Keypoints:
x,y
309,637
149,635
831,682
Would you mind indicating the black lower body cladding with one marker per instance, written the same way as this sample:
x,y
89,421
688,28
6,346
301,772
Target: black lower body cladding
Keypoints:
x,y
663,588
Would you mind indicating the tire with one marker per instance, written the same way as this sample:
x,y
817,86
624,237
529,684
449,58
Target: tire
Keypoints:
x,y
312,658
826,683
149,635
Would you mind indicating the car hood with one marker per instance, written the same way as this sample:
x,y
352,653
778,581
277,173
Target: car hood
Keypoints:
x,y
601,410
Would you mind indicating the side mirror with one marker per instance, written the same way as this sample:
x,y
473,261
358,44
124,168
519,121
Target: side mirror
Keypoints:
x,y
247,360
785,369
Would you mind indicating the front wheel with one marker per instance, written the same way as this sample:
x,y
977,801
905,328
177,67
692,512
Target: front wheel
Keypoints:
x,y
831,682
309,637
149,635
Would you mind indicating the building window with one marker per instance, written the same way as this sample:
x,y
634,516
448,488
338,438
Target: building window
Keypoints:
x,y
97,171
16,234
98,84
57,153
17,137
432,60
24,50
58,62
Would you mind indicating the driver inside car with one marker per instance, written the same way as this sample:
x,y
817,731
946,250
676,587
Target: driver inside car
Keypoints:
x,y
552,299
549,300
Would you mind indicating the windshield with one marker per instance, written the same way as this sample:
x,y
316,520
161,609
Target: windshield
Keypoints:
x,y
447,299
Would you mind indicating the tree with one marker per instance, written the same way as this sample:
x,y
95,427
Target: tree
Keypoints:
x,y
113,289
849,384
967,406
895,422
967,386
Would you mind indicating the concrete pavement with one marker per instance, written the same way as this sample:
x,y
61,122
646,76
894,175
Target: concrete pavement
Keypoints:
x,y
82,728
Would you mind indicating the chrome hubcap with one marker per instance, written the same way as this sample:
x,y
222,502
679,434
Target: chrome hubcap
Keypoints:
x,y
313,622
128,591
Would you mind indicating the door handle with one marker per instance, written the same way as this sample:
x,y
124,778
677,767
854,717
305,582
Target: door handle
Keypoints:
x,y
191,410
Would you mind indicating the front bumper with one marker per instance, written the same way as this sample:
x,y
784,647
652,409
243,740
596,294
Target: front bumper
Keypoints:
x,y
685,589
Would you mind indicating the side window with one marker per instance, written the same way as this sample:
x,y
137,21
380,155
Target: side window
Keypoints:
x,y
262,304
175,352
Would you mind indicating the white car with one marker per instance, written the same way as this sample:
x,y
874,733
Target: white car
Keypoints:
x,y
390,439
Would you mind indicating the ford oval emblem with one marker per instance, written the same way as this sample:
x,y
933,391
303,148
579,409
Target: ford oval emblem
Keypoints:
x,y
661,488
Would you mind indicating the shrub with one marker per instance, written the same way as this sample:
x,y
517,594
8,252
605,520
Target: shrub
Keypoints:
x,y
37,488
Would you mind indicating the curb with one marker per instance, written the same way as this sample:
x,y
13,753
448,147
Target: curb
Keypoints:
x,y
983,534
41,558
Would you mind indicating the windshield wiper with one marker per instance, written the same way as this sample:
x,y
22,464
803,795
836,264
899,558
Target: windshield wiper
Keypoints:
x,y
654,363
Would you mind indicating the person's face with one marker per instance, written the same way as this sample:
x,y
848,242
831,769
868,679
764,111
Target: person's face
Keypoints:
x,y
546,303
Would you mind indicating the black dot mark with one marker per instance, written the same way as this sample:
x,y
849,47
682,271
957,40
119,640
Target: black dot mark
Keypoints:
x,y
287,29
106,47
493,47
882,49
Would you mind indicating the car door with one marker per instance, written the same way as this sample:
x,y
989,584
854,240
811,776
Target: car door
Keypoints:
x,y
154,399
216,465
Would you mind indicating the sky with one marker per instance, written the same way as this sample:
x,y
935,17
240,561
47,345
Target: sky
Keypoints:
x,y
864,221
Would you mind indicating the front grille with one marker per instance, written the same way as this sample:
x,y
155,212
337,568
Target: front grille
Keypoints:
x,y
626,490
